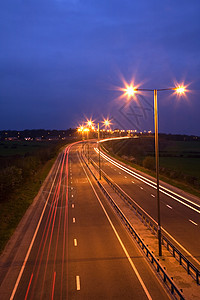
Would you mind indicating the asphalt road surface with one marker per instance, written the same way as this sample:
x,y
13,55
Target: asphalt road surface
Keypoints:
x,y
71,245
180,212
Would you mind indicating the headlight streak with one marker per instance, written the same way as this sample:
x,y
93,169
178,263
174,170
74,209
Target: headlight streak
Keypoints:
x,y
151,183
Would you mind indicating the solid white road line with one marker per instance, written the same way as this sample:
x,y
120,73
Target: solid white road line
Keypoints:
x,y
120,241
78,284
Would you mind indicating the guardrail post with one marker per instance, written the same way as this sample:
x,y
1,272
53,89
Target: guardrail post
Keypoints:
x,y
197,277
172,288
188,267
173,252
158,268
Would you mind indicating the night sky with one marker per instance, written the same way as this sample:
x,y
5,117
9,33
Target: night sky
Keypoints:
x,y
61,61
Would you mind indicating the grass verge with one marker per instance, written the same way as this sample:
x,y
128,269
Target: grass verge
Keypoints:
x,y
12,211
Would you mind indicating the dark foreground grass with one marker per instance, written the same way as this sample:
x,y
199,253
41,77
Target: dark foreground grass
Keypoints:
x,y
12,148
12,210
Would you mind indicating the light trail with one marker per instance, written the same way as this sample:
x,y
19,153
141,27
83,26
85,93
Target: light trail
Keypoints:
x,y
65,234
52,227
32,241
28,287
53,287
152,184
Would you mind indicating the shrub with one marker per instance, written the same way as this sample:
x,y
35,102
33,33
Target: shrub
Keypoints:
x,y
149,163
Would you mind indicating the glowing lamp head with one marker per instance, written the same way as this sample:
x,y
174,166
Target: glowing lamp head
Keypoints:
x,y
106,122
89,123
130,91
180,89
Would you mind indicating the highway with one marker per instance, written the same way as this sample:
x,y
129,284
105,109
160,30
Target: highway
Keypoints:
x,y
72,245
180,212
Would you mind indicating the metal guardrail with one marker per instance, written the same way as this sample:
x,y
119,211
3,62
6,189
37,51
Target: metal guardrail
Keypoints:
x,y
148,221
161,271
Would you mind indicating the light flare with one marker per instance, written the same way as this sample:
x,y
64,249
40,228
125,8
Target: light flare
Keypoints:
x,y
180,89
90,123
107,122
130,90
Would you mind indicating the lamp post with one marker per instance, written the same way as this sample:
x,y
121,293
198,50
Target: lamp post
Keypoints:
x,y
130,91
106,123
99,152
90,125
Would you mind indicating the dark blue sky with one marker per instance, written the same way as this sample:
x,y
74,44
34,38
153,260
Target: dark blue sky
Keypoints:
x,y
60,60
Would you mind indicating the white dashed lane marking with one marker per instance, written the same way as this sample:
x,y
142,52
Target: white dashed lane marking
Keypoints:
x,y
193,222
169,206
78,285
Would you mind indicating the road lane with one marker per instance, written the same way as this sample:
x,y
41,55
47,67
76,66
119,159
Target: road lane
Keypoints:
x,y
99,259
180,221
78,248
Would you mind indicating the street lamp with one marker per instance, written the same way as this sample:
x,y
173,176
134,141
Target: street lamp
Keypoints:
x,y
99,152
87,130
130,91
90,126
81,129
106,123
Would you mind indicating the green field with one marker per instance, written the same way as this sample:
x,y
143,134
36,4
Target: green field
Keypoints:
x,y
23,168
13,209
11,148
187,166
